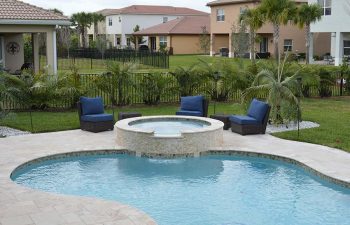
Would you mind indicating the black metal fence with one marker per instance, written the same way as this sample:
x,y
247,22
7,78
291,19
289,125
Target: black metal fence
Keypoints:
x,y
94,59
135,93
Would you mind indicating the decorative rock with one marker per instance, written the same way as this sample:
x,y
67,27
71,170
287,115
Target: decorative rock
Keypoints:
x,y
7,131
291,126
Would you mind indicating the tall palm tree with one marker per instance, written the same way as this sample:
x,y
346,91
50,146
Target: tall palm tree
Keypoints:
x,y
306,15
277,12
82,21
253,18
96,18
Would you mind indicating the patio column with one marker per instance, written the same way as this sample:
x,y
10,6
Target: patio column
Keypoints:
x,y
230,53
36,56
311,49
338,49
51,52
212,43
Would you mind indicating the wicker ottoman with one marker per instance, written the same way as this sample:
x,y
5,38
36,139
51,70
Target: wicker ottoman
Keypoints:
x,y
126,115
223,118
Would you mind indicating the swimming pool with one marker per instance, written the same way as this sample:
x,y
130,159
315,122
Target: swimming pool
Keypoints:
x,y
206,190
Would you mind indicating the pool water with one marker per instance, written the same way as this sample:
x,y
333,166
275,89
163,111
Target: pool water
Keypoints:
x,y
169,127
210,190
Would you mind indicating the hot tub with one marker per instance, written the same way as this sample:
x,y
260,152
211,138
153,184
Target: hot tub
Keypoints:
x,y
169,135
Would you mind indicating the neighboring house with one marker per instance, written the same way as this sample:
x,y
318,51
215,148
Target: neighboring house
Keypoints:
x,y
180,36
119,23
225,15
335,20
17,18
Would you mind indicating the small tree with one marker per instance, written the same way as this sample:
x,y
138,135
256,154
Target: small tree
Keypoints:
x,y
133,38
204,40
96,18
101,44
64,38
240,39
82,21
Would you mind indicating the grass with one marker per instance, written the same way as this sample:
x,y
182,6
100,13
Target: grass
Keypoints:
x,y
59,121
332,114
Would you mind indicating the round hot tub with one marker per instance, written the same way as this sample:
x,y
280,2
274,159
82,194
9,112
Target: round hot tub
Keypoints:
x,y
172,135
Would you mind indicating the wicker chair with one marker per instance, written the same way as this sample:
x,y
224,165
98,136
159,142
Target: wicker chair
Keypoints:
x,y
254,122
92,117
193,106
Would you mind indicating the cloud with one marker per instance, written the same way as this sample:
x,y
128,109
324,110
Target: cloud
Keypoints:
x,y
69,7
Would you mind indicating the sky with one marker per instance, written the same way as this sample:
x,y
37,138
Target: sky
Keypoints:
x,y
72,6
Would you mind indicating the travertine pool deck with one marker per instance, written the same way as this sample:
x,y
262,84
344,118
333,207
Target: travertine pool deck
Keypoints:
x,y
21,205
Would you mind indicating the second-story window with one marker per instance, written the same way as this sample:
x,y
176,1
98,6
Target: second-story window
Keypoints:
x,y
110,22
220,15
326,6
165,19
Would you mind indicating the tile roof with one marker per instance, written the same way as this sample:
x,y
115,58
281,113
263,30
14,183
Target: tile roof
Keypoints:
x,y
154,10
183,25
227,2
17,10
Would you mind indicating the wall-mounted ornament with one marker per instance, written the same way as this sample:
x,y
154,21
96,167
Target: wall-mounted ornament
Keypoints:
x,y
13,48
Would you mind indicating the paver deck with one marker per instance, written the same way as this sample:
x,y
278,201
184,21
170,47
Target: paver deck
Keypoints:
x,y
20,205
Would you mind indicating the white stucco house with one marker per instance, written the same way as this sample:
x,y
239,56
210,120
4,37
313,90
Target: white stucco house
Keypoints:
x,y
335,20
119,23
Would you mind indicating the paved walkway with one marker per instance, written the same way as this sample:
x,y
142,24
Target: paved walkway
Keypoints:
x,y
20,205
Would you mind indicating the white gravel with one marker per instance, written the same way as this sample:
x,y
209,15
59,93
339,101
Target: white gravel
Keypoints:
x,y
291,126
6,131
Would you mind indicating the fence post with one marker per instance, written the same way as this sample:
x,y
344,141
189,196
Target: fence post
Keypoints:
x,y
341,83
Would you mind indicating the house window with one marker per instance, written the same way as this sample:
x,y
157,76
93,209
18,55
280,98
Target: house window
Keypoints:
x,y
118,40
242,10
165,19
110,22
347,48
220,15
163,41
288,45
120,19
326,6
128,41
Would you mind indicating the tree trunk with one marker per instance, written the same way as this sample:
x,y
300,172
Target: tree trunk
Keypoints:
x,y
252,45
307,55
276,36
95,31
83,37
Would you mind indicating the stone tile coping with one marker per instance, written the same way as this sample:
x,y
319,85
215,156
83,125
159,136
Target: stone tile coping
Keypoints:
x,y
22,205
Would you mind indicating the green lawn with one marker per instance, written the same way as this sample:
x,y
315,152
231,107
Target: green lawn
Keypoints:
x,y
334,117
333,114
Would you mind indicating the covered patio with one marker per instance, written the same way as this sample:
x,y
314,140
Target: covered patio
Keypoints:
x,y
18,18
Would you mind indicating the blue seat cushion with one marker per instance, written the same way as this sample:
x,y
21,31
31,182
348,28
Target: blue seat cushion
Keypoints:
x,y
258,110
97,117
189,113
91,105
192,103
244,120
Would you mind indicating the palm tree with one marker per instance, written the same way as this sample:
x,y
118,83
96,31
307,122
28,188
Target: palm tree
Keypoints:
x,y
96,18
253,18
306,15
82,21
277,12
279,83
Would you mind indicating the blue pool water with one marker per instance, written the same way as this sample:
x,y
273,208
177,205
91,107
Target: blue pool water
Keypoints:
x,y
168,127
211,190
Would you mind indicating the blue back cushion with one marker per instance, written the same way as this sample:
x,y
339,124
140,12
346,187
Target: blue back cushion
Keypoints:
x,y
192,103
91,105
258,110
